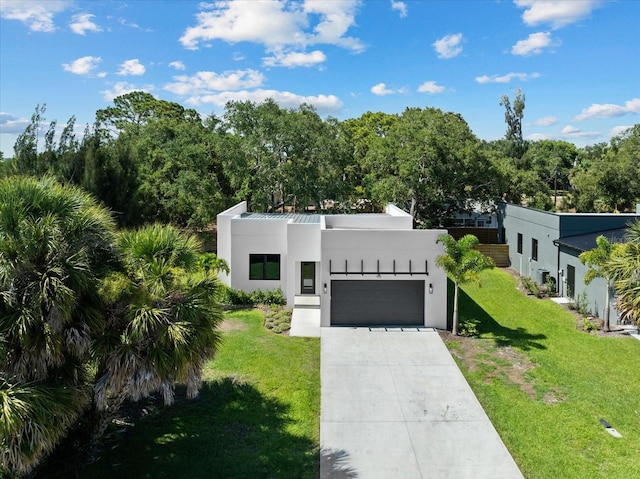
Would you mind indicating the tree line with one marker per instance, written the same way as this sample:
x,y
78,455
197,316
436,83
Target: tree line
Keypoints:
x,y
153,160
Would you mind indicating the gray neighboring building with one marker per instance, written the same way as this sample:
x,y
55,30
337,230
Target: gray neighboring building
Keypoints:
x,y
544,244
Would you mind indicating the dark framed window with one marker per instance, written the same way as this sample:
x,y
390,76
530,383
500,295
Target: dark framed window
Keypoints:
x,y
519,243
534,249
264,266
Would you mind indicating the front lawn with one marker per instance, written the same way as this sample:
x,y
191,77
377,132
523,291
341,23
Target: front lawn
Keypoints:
x,y
545,385
258,415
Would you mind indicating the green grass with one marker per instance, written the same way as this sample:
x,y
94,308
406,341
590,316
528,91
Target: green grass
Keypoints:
x,y
257,415
550,419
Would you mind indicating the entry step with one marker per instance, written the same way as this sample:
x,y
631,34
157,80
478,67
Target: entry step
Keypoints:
x,y
307,301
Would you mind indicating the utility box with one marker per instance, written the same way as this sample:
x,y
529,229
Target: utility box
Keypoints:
x,y
542,275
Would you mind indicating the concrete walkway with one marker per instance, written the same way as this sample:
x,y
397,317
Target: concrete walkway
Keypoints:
x,y
305,318
395,405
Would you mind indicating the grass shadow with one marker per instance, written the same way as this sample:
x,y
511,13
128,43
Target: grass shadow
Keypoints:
x,y
231,430
488,327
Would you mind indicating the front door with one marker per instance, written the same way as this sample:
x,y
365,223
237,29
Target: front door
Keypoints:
x,y
571,281
308,278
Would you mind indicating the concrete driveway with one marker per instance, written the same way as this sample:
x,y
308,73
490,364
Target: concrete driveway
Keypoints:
x,y
395,405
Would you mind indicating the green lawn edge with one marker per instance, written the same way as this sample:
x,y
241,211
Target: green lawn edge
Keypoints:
x,y
549,421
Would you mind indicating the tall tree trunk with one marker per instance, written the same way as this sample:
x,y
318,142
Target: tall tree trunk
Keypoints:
x,y
607,322
454,329
414,209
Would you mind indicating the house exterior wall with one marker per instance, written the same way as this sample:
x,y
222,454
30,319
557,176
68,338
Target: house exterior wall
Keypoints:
x,y
225,244
531,224
371,246
303,244
257,236
369,221
595,291
547,227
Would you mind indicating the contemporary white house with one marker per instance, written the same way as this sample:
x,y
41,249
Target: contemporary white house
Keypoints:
x,y
364,269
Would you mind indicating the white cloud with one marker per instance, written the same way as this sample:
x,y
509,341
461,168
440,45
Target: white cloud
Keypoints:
x,y
325,104
132,67
533,45
274,24
122,88
178,65
12,124
568,133
204,83
448,46
82,23
539,136
546,121
507,78
83,65
609,110
616,130
571,132
294,59
569,129
37,14
557,13
381,89
431,87
124,22
401,7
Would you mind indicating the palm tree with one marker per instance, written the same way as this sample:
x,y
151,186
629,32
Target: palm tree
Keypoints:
x,y
625,271
54,241
596,261
34,418
462,264
162,318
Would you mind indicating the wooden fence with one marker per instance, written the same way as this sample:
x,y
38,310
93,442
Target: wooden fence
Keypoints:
x,y
498,252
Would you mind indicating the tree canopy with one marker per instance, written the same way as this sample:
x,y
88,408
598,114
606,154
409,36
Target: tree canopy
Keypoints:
x,y
152,160
90,317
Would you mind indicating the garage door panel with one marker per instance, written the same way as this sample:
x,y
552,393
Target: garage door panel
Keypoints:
x,y
371,302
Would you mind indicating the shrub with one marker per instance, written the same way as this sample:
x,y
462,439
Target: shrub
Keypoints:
x,y
269,297
277,319
531,286
469,327
236,297
589,325
580,304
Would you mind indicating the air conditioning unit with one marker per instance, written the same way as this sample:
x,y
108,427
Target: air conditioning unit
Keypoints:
x,y
542,275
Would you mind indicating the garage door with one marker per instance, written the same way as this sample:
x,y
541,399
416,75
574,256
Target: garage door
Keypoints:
x,y
367,303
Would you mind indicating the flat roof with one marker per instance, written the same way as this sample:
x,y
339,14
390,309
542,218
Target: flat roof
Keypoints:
x,y
587,241
308,218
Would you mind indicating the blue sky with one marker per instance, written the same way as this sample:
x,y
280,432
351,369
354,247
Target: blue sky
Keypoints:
x,y
578,62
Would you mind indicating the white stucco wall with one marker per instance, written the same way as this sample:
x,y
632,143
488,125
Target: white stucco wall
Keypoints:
x,y
370,221
257,236
303,244
224,241
386,246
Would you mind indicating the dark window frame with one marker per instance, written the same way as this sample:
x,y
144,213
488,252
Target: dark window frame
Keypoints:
x,y
534,249
265,273
519,243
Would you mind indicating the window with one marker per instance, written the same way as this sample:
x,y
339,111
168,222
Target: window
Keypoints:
x,y
264,266
519,243
534,249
